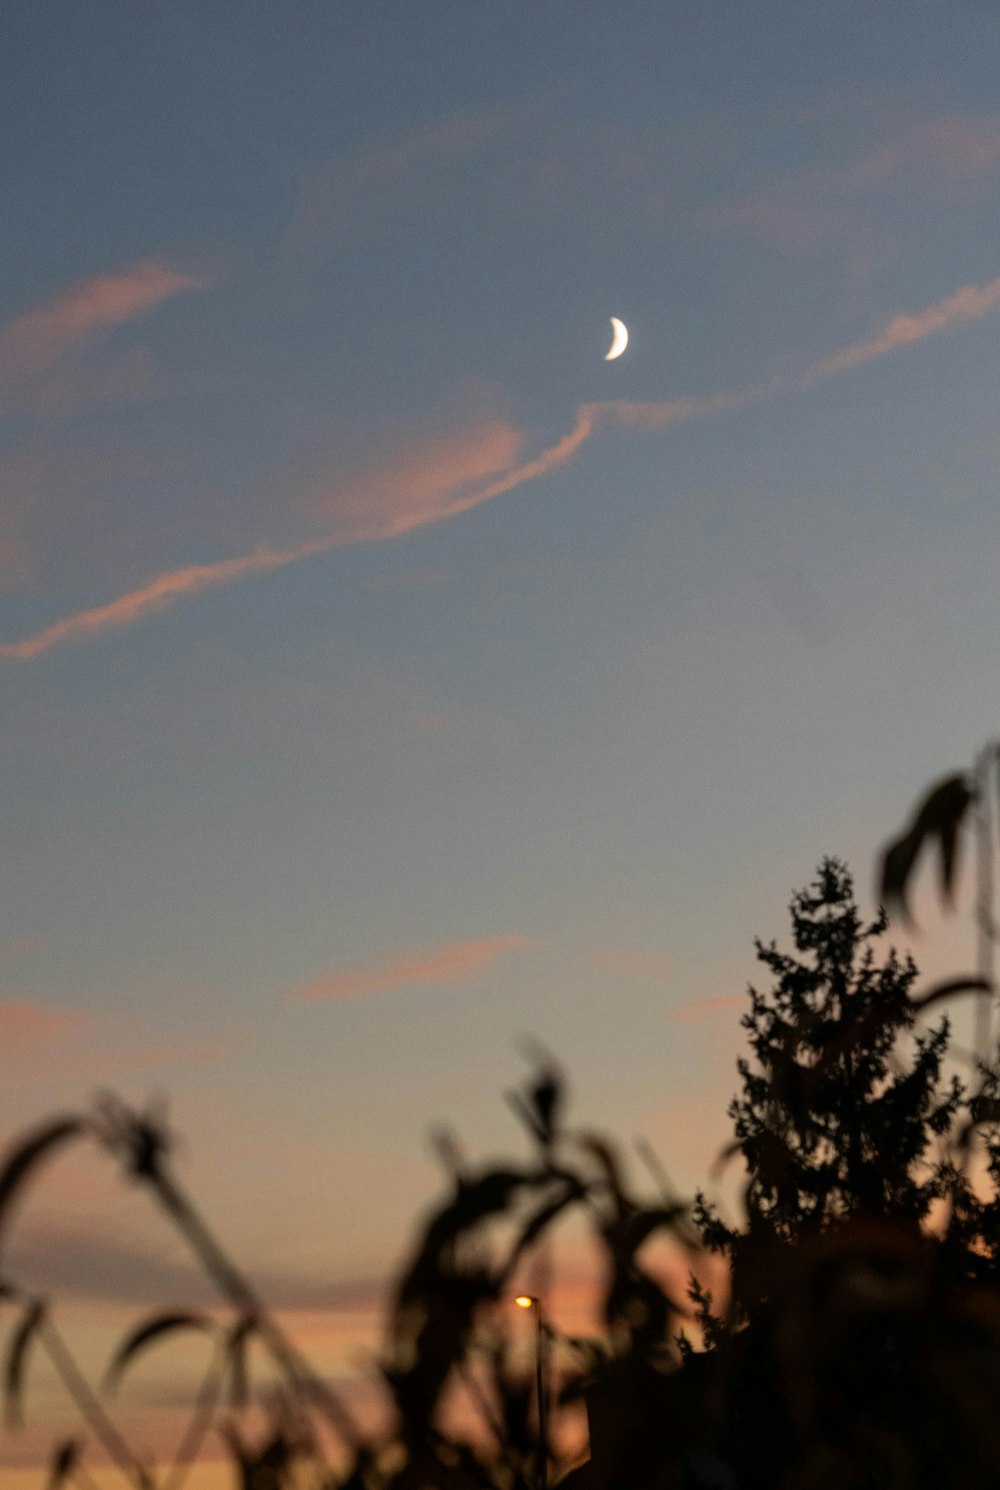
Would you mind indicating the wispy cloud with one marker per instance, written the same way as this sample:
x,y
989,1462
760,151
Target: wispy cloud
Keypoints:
x,y
355,194
162,591
695,1011
35,341
440,478
948,157
449,964
425,479
970,303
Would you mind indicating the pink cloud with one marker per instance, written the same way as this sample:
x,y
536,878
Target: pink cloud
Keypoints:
x,y
970,303
950,148
951,157
32,343
426,480
694,1011
440,477
26,1026
162,591
451,963
354,194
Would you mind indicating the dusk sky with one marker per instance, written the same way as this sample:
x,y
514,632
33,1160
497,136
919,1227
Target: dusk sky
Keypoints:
x,y
387,676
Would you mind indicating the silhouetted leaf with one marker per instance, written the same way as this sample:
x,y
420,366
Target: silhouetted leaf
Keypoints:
x,y
17,1359
610,1164
938,816
448,1150
985,1110
64,1461
539,1108
144,1334
542,1218
642,1225
28,1154
236,1359
949,989
140,1139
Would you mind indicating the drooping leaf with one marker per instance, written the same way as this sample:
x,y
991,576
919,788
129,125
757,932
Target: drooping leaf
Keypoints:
x,y
24,1158
17,1360
144,1334
948,990
938,817
611,1165
573,1190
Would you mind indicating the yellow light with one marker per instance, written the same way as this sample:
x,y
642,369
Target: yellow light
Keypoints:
x,y
524,1301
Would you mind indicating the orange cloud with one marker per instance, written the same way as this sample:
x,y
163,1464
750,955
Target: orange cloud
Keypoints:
x,y
442,477
32,343
24,1026
451,963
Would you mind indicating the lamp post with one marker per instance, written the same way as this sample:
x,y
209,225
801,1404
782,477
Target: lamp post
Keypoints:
x,y
530,1301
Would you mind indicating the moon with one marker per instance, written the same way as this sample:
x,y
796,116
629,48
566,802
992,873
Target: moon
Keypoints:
x,y
619,341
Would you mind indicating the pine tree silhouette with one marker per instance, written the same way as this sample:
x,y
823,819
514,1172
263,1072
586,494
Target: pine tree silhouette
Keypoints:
x,y
833,1119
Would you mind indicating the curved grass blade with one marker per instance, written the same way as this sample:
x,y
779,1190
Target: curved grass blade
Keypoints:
x,y
144,1334
36,1147
17,1359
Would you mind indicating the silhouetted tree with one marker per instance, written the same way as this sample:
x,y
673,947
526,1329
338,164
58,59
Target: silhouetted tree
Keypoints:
x,y
831,1119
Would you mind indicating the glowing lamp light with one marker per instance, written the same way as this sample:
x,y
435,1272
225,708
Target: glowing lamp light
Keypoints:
x,y
524,1301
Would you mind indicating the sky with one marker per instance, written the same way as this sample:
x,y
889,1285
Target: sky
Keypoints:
x,y
388,677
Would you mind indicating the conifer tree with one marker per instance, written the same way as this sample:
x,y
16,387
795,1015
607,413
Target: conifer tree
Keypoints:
x,y
829,1122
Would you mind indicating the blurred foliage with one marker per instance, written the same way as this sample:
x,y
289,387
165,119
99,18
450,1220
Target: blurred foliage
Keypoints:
x,y
859,1342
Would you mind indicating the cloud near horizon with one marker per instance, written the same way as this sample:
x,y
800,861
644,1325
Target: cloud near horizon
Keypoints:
x,y
450,963
32,343
438,478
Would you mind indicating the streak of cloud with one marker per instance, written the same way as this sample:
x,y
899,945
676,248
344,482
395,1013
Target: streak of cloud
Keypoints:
x,y
160,592
32,343
970,303
452,478
451,963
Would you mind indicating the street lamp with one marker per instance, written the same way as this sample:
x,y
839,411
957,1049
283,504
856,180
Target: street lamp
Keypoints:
x,y
529,1301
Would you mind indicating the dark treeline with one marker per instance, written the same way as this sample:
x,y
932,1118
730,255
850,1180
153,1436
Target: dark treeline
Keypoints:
x,y
856,1343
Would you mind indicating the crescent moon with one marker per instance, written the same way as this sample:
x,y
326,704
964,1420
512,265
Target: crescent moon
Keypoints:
x,y
620,340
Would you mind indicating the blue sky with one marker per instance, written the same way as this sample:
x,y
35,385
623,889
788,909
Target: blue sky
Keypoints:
x,y
386,674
